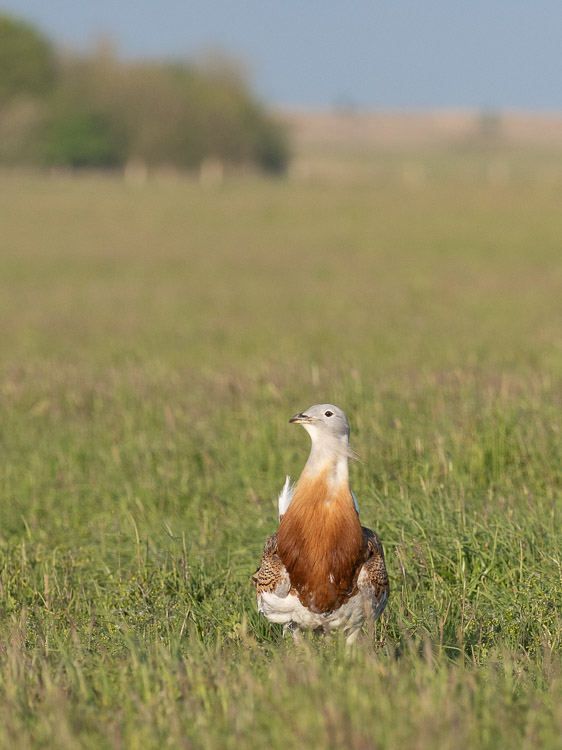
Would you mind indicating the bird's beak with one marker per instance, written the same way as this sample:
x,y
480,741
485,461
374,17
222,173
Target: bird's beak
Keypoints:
x,y
299,419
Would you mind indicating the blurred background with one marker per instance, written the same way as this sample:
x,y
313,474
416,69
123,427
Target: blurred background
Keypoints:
x,y
181,85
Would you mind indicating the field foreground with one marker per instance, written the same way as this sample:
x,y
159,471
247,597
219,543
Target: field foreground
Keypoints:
x,y
155,341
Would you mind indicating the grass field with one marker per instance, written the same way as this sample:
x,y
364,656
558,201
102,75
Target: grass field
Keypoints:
x,y
155,341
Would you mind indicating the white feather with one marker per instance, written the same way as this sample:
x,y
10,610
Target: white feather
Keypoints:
x,y
349,616
285,496
355,501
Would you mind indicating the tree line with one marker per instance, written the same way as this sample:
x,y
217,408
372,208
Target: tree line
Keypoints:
x,y
95,110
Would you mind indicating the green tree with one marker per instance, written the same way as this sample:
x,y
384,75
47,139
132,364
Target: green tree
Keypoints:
x,y
95,110
80,139
27,62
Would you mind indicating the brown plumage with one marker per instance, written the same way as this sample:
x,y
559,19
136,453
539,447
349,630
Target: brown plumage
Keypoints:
x,y
320,543
271,576
322,569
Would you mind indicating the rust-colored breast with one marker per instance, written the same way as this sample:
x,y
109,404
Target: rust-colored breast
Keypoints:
x,y
320,543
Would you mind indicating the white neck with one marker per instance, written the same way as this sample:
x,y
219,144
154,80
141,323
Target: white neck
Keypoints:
x,y
329,455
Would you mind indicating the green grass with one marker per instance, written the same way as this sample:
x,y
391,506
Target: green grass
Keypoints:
x,y
154,343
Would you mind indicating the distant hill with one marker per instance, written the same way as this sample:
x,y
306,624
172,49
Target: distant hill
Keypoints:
x,y
437,128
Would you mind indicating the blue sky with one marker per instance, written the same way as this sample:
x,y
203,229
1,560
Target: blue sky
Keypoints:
x,y
396,54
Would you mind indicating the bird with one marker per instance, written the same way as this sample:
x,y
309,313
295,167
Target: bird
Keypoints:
x,y
321,570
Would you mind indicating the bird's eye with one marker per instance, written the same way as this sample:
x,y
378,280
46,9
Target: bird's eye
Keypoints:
x,y
328,413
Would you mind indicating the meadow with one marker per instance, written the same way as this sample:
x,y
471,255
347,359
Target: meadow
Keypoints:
x,y
155,340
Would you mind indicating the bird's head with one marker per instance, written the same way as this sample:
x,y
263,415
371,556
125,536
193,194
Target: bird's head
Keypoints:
x,y
324,422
